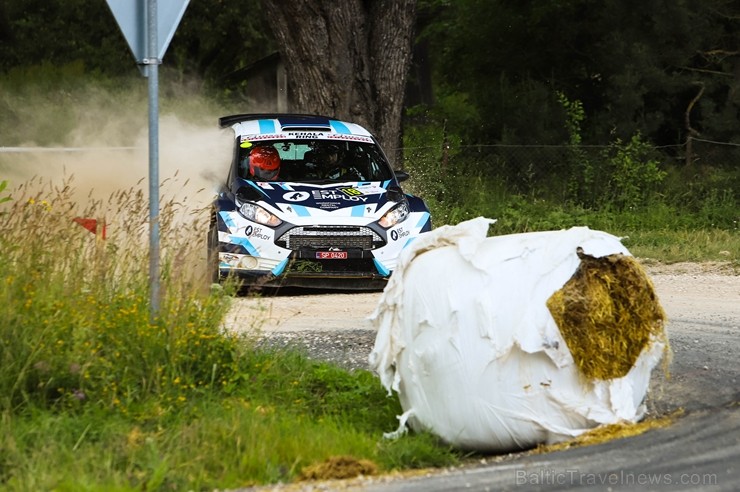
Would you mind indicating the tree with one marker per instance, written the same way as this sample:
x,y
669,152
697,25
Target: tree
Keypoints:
x,y
217,38
58,32
634,66
348,59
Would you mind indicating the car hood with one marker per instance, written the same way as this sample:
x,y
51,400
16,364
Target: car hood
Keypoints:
x,y
296,200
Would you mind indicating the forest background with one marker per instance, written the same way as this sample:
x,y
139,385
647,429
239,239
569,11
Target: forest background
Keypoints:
x,y
619,115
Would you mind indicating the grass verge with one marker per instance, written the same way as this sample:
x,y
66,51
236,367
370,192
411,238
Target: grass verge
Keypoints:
x,y
99,393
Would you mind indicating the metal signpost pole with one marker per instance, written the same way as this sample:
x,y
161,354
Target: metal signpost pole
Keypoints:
x,y
152,64
148,31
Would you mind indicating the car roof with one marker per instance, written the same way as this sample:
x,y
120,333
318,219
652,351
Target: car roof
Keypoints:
x,y
287,125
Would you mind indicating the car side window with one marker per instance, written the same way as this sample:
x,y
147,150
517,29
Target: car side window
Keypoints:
x,y
243,164
378,167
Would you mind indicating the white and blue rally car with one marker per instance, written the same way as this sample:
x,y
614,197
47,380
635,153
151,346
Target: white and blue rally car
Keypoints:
x,y
310,201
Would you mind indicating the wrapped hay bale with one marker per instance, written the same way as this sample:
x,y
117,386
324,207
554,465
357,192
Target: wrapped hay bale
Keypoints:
x,y
505,342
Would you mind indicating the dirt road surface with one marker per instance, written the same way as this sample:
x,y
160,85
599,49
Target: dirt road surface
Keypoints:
x,y
699,451
706,292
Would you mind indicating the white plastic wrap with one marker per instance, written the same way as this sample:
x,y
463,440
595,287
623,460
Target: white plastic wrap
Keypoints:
x,y
466,339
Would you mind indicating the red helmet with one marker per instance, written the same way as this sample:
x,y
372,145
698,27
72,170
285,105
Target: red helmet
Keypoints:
x,y
264,163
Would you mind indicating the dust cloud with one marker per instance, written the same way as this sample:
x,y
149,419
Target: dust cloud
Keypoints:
x,y
97,141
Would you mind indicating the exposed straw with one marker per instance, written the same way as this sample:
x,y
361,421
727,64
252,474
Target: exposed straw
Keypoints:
x,y
608,313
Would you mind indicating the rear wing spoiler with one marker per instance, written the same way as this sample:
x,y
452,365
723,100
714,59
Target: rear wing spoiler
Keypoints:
x,y
227,121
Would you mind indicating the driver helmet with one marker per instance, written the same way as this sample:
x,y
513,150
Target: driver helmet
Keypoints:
x,y
332,150
328,155
264,163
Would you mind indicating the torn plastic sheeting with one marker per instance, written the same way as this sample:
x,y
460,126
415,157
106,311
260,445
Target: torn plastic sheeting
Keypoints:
x,y
465,336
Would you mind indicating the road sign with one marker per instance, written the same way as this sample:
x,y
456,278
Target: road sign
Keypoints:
x,y
131,16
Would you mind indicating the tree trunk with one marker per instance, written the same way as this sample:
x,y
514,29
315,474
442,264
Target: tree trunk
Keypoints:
x,y
348,59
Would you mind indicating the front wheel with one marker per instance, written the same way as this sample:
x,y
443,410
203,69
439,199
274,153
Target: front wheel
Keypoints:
x,y
214,275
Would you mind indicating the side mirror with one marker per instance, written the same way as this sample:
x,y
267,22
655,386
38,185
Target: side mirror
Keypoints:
x,y
248,194
401,175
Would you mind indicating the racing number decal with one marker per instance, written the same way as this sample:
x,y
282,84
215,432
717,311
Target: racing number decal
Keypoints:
x,y
363,189
351,191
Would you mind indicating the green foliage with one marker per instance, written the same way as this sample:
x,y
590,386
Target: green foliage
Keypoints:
x,y
670,245
635,172
423,451
429,155
84,33
74,333
575,115
580,168
316,390
3,186
659,230
217,39
212,444
626,186
62,32
634,190
707,194
633,69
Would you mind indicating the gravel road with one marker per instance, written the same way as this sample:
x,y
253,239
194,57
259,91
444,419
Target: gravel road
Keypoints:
x,y
700,299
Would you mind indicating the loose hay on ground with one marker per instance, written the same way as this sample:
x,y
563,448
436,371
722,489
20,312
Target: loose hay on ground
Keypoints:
x,y
609,432
338,467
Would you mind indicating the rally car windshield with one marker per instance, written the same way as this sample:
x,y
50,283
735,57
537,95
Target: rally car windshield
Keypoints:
x,y
315,160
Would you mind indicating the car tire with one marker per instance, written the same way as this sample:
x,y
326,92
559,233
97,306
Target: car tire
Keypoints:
x,y
214,275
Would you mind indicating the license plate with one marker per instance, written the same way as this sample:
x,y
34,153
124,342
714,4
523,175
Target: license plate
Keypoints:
x,y
331,255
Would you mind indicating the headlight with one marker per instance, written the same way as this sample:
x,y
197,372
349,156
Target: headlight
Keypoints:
x,y
258,214
395,215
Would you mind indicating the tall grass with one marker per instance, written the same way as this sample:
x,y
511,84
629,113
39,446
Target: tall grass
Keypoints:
x,y
76,307
98,394
691,218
